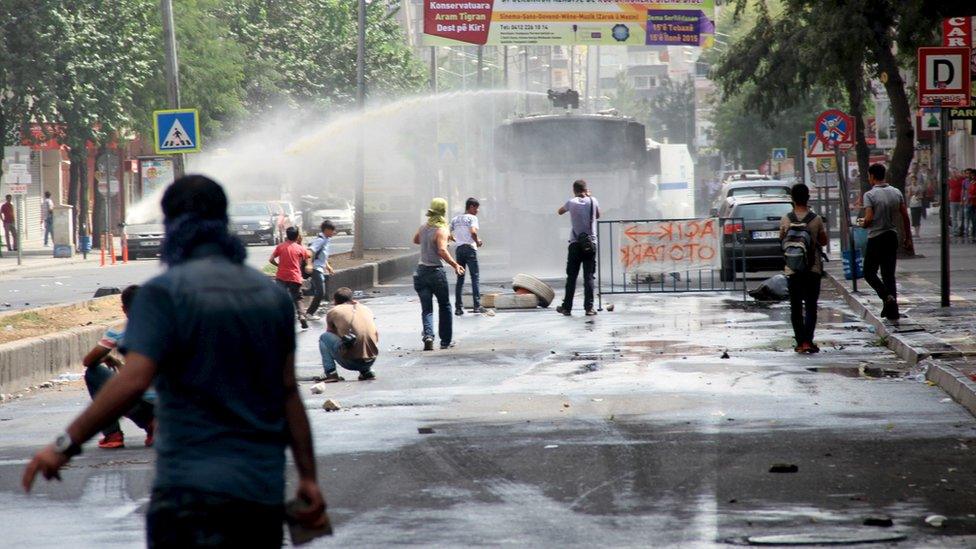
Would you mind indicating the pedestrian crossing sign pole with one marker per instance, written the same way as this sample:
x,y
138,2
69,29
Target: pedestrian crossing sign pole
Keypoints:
x,y
176,131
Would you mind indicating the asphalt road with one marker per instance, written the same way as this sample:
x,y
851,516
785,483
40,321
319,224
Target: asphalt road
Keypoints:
x,y
626,429
76,282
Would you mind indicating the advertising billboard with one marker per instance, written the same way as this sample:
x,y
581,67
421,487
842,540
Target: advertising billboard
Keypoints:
x,y
569,22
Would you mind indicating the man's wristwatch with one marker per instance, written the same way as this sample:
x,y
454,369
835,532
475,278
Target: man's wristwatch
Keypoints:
x,y
65,446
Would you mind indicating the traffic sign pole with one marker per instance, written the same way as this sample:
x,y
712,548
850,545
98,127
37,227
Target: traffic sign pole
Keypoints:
x,y
943,206
172,72
846,234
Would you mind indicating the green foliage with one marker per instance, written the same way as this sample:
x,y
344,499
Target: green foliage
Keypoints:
x,y
669,114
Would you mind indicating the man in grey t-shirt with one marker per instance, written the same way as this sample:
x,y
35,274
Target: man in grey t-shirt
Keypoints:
x,y
881,204
583,211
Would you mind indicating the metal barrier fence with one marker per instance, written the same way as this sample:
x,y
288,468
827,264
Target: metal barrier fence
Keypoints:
x,y
646,256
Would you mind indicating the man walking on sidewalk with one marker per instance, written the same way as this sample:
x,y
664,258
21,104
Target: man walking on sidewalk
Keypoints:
x,y
219,341
804,232
881,204
351,339
464,231
287,257
430,280
583,211
321,270
9,224
47,216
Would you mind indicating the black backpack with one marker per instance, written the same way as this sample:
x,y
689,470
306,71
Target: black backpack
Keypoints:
x,y
584,239
798,244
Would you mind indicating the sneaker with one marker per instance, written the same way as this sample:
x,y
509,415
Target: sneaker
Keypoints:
x,y
332,377
479,310
562,311
113,441
813,348
458,312
447,345
313,317
590,312
151,434
368,375
303,322
428,344
892,305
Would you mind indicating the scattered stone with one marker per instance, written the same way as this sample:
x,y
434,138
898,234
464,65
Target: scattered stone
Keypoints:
x,y
725,354
425,430
881,522
331,405
610,307
318,388
733,500
784,468
565,405
935,521
597,400
46,385
551,446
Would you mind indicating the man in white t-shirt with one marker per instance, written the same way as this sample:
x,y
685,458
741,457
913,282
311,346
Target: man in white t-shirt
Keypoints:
x,y
47,216
464,231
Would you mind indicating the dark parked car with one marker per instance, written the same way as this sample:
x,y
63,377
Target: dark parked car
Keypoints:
x,y
253,222
144,239
753,233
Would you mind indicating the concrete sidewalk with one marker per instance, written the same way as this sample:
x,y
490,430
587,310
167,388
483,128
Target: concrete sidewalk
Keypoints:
x,y
40,257
941,337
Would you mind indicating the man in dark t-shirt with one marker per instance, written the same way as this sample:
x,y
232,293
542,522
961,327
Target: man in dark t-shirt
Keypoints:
x,y
219,339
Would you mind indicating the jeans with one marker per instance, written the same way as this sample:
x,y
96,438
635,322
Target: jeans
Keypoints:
x,y
49,228
882,251
971,216
467,257
330,346
956,217
804,294
574,259
294,290
141,414
12,243
431,282
183,517
318,279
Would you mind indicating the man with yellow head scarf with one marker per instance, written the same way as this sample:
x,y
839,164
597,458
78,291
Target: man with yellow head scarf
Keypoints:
x,y
430,280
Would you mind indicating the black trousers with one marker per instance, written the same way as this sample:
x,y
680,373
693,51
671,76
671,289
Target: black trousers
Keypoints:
x,y
318,291
804,294
882,252
294,290
576,258
182,517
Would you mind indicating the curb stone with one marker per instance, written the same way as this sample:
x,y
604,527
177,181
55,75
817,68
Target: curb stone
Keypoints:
x,y
953,382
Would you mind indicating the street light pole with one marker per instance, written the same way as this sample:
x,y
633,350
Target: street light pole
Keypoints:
x,y
357,239
172,72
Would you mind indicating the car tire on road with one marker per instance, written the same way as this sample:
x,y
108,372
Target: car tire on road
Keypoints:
x,y
536,287
516,301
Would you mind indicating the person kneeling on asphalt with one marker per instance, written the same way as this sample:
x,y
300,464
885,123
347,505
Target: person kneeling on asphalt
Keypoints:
x,y
351,339
101,365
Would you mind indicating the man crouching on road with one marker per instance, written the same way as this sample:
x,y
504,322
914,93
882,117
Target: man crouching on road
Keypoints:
x,y
101,365
219,339
351,339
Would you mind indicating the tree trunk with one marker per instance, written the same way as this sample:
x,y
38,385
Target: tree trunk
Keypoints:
x,y
73,185
84,199
855,92
901,111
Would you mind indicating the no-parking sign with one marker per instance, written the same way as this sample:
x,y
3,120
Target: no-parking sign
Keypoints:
x,y
835,127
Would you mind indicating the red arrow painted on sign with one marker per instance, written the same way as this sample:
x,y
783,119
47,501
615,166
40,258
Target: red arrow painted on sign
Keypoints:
x,y
632,233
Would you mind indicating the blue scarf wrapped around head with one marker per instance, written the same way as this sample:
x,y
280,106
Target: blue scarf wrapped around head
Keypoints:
x,y
188,231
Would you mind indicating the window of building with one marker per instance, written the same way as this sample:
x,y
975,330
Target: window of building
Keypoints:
x,y
644,82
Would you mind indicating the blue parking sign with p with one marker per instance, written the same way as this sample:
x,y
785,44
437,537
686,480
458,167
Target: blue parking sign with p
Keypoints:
x,y
176,131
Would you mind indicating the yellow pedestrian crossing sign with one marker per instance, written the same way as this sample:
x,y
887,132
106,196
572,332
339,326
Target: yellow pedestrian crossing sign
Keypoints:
x,y
176,131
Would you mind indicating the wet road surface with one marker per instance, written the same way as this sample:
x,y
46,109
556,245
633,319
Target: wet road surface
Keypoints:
x,y
626,429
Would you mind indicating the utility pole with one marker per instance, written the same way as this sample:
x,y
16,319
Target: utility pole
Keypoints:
x,y
943,206
505,64
357,238
481,66
172,73
433,69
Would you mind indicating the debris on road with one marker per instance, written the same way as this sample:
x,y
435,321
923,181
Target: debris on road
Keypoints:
x,y
425,430
774,288
784,468
882,522
331,405
935,521
551,446
318,388
534,286
609,307
725,354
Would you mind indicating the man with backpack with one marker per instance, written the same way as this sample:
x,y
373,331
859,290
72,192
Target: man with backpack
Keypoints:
x,y
583,211
321,270
803,233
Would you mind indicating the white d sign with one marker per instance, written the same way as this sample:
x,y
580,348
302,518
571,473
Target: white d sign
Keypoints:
x,y
943,76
